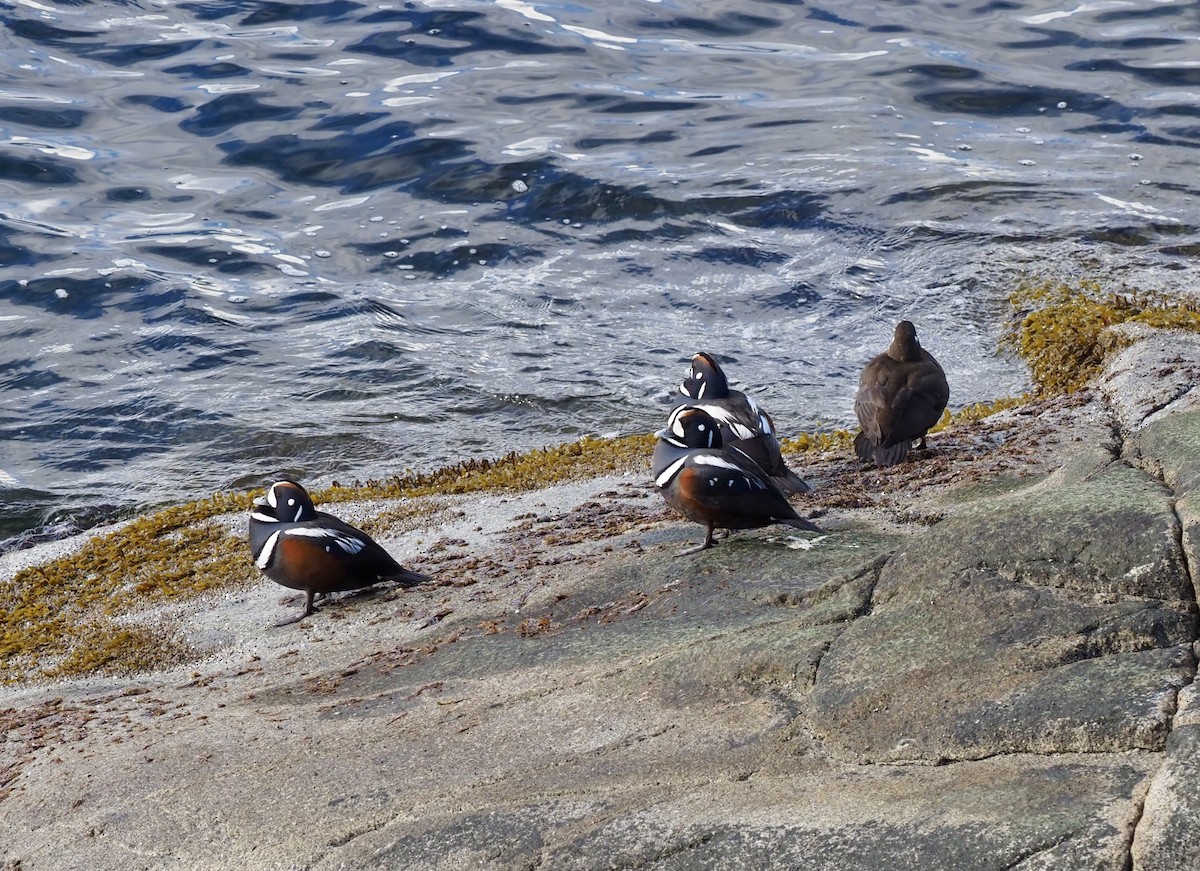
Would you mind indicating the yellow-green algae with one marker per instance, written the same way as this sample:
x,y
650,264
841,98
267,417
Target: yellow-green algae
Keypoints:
x,y
1059,325
58,619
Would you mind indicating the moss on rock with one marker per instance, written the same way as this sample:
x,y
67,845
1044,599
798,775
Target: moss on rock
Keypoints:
x,y
1059,327
56,619
50,614
59,619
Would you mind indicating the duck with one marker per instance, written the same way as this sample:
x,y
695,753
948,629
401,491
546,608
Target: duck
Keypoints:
x,y
744,423
301,548
901,394
714,484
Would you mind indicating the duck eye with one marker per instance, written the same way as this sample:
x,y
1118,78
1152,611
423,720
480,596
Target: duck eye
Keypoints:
x,y
701,427
291,502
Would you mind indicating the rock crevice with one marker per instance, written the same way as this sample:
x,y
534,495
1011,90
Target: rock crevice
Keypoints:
x,y
1159,424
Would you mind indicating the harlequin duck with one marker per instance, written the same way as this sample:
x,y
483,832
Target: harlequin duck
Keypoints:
x,y
299,547
901,394
744,424
715,485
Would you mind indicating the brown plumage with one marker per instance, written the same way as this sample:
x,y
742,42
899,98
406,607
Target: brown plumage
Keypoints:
x,y
300,547
744,424
716,485
901,394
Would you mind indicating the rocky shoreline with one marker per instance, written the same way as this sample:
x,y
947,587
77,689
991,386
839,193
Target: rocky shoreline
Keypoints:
x,y
989,662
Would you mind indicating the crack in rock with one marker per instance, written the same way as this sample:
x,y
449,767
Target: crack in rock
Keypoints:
x,y
1139,416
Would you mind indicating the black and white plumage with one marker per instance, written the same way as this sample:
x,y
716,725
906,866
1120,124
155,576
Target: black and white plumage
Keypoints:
x,y
744,423
304,549
901,394
714,484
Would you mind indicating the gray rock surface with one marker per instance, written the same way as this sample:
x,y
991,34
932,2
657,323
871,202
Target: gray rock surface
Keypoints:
x,y
988,663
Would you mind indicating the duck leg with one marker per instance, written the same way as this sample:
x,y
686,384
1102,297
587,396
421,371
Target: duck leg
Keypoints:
x,y
308,610
707,543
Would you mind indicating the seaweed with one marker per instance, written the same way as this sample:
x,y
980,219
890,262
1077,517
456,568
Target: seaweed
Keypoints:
x,y
1058,327
64,618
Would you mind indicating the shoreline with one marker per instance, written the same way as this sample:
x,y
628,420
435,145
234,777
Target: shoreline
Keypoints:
x,y
990,660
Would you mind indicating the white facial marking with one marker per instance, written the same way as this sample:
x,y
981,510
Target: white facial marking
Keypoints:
x,y
291,502
299,511
268,551
664,477
272,499
264,518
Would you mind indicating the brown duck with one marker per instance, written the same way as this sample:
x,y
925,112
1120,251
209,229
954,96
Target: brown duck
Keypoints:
x,y
901,394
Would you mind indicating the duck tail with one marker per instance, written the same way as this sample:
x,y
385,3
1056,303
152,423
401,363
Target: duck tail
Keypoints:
x,y
800,523
790,482
892,454
406,578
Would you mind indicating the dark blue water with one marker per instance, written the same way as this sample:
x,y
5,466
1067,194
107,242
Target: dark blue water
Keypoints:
x,y
337,240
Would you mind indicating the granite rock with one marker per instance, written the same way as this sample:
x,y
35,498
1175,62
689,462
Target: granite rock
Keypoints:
x,y
988,663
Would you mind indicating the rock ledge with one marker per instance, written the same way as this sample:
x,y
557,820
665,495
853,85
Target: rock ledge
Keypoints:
x,y
988,663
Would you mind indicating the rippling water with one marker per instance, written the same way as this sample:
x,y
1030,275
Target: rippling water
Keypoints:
x,y
338,239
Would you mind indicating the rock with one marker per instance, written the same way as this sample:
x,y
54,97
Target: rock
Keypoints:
x,y
988,664
1021,624
1168,836
1152,386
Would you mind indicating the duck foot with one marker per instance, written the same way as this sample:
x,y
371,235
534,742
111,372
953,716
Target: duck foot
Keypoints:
x,y
308,611
704,545
294,619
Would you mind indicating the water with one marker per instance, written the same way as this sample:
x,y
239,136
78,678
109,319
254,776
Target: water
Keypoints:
x,y
338,240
